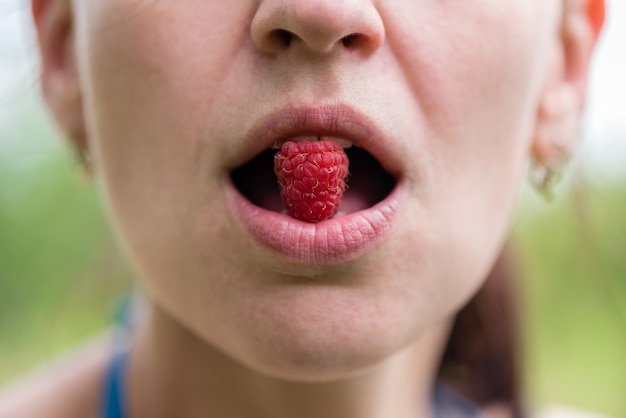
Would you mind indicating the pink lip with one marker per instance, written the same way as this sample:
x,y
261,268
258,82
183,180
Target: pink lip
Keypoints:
x,y
332,241
335,240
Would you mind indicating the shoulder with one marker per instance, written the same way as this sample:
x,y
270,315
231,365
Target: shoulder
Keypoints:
x,y
68,388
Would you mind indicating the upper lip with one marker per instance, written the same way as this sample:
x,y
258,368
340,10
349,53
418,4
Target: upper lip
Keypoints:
x,y
334,121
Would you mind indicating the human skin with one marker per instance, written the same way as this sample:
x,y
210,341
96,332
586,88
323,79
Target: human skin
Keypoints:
x,y
168,98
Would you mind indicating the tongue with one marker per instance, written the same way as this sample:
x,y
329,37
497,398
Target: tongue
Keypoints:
x,y
353,201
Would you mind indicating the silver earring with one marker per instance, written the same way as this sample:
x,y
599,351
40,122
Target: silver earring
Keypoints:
x,y
84,163
544,177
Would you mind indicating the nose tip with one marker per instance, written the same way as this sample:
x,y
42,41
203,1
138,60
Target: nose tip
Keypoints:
x,y
317,26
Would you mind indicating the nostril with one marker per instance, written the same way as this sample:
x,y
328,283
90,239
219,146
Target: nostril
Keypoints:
x,y
282,37
350,40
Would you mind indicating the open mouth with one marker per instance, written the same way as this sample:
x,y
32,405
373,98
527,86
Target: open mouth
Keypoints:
x,y
368,182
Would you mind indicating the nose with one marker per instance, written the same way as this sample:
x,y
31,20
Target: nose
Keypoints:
x,y
318,27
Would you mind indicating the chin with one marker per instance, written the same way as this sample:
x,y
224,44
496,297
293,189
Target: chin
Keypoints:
x,y
318,358
321,335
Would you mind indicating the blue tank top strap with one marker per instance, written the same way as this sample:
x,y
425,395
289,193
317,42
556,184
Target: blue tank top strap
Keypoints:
x,y
113,403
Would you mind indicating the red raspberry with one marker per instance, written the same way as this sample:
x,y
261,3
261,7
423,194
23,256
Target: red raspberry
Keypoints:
x,y
312,178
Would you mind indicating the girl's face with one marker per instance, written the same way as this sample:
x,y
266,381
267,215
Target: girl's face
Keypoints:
x,y
444,95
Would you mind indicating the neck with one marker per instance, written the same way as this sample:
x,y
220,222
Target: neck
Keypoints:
x,y
174,373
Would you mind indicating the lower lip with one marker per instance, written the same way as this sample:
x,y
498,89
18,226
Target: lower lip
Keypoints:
x,y
332,241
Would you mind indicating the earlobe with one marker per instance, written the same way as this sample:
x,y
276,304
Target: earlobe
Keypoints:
x,y
557,127
562,102
59,76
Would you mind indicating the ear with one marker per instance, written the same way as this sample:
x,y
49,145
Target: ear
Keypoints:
x,y
59,76
563,98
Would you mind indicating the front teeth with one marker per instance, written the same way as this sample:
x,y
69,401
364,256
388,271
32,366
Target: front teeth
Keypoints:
x,y
343,143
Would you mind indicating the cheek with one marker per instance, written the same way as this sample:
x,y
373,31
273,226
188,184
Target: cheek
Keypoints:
x,y
474,71
153,70
152,74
